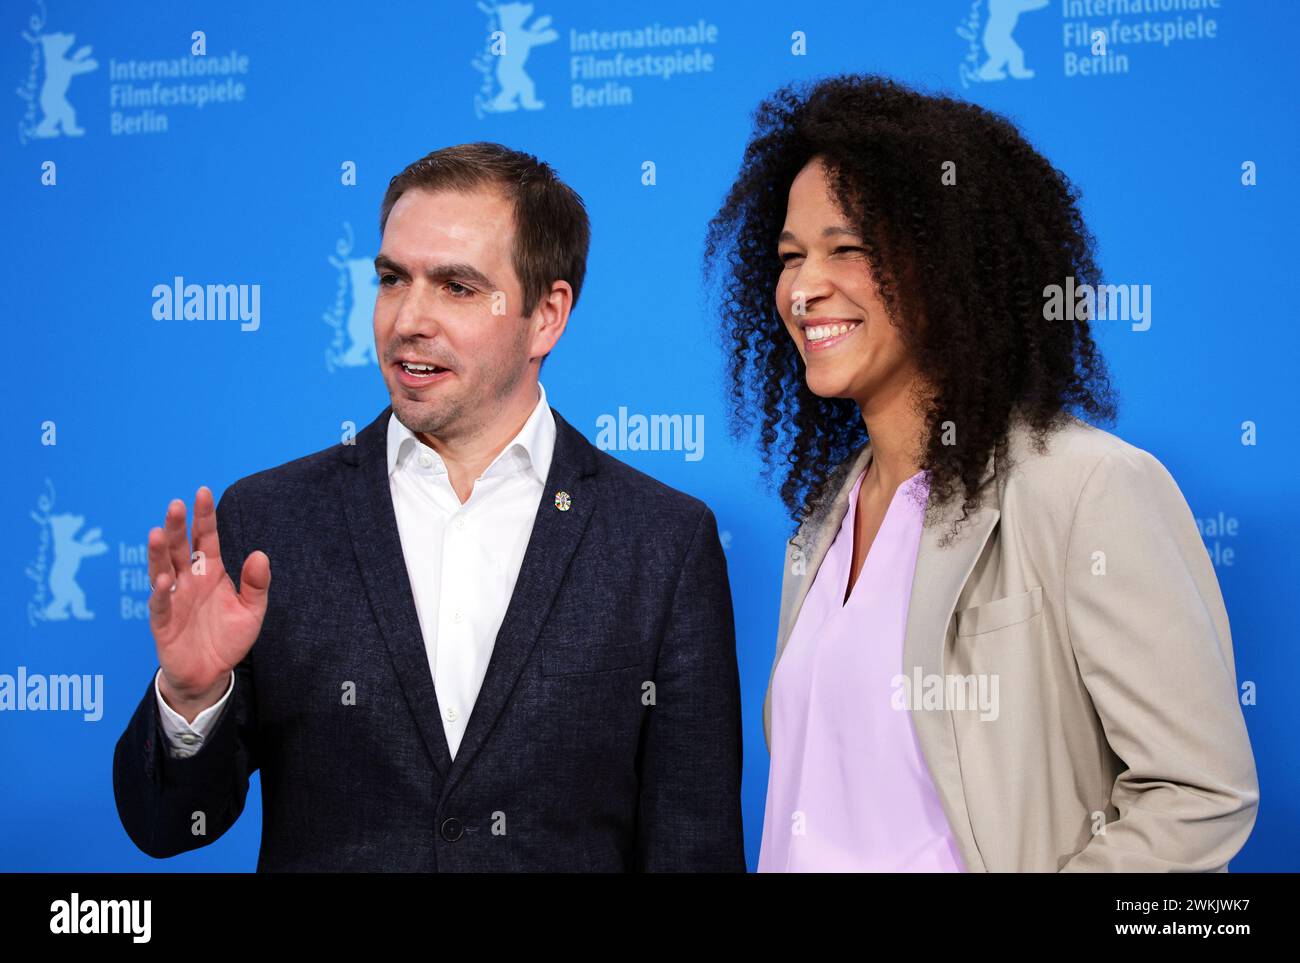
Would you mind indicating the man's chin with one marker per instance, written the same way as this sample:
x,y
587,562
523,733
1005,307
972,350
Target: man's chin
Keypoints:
x,y
428,417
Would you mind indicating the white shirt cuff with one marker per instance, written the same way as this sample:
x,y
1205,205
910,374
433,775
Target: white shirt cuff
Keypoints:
x,y
184,738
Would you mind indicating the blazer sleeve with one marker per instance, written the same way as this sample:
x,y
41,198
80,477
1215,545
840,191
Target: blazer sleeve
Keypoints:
x,y
1150,636
169,805
688,814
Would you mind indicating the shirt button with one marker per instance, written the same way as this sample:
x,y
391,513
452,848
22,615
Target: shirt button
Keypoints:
x,y
457,617
426,461
451,714
189,739
460,521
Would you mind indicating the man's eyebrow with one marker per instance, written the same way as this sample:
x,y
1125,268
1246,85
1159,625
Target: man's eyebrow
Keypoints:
x,y
831,231
439,272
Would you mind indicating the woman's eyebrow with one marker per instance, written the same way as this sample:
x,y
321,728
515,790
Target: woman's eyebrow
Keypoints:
x,y
832,231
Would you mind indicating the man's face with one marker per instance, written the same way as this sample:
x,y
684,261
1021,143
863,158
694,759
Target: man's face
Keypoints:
x,y
444,261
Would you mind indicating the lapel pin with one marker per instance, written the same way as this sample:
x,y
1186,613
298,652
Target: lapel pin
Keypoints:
x,y
562,501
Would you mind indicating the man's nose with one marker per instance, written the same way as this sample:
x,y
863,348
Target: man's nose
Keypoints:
x,y
416,314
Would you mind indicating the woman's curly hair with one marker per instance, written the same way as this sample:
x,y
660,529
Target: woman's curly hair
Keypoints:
x,y
961,267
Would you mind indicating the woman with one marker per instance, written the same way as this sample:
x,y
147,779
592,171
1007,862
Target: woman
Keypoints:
x,y
1002,646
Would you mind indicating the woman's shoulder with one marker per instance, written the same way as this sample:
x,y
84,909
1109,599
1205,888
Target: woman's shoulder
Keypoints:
x,y
1070,442
1072,457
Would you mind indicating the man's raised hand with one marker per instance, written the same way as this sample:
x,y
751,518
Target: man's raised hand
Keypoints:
x,y
201,625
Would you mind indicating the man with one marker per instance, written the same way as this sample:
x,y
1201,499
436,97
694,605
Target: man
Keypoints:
x,y
490,646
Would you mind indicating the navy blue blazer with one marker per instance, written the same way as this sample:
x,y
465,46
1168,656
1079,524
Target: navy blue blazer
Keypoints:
x,y
606,735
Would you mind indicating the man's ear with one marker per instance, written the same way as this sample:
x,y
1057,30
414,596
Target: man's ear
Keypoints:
x,y
550,318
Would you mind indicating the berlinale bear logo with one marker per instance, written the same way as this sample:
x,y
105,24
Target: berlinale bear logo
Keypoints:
x,y
1005,55
508,45
59,71
992,52
69,550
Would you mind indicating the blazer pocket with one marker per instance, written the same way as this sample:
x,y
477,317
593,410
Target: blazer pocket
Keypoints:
x,y
1000,613
593,655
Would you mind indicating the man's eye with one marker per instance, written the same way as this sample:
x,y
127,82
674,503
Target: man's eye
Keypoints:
x,y
385,277
459,290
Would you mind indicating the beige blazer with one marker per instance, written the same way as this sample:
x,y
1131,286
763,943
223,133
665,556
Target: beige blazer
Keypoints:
x,y
1081,595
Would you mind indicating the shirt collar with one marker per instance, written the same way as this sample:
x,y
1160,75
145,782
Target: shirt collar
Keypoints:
x,y
532,447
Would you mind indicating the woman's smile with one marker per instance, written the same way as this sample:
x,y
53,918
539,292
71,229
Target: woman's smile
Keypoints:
x,y
826,333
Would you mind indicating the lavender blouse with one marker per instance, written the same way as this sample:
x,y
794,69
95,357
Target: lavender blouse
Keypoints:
x,y
848,790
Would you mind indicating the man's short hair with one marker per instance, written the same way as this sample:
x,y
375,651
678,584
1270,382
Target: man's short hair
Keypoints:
x,y
552,231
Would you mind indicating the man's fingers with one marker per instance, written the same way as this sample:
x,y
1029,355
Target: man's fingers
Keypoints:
x,y
255,581
178,549
160,602
205,528
160,562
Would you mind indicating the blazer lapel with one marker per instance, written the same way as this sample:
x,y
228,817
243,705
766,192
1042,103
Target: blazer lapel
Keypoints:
x,y
551,545
941,572
804,556
372,525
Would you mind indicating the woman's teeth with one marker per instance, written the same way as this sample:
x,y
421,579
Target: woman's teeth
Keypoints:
x,y
824,331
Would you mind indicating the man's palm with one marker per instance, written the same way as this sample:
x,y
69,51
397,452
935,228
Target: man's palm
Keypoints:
x,y
203,627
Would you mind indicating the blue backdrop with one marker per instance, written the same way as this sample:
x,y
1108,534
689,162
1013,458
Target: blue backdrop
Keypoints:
x,y
249,144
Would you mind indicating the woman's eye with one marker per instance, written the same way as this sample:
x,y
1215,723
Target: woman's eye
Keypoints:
x,y
789,256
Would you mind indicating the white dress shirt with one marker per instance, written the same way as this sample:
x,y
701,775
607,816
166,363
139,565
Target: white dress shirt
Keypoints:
x,y
462,560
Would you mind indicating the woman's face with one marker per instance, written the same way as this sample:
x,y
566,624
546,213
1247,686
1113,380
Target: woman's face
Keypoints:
x,y
829,302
